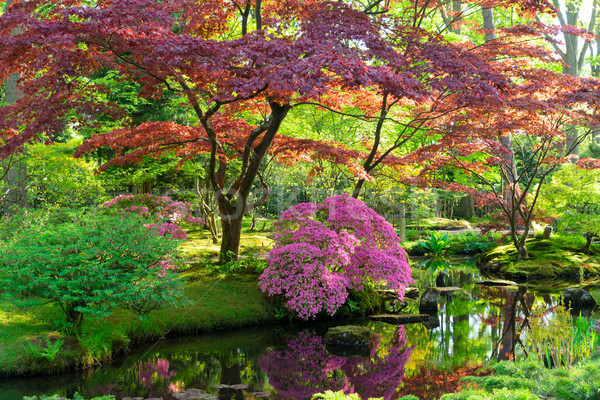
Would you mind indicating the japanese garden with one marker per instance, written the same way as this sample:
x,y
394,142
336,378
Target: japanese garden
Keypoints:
x,y
299,199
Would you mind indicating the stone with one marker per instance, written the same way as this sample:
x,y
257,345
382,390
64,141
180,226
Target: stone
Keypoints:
x,y
429,301
596,327
411,293
433,322
349,335
577,298
496,282
400,319
547,232
448,289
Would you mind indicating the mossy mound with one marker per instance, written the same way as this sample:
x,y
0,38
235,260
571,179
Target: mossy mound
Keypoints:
x,y
441,224
547,259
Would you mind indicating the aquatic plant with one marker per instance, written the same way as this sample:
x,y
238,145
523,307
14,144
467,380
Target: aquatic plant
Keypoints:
x,y
556,342
323,250
435,251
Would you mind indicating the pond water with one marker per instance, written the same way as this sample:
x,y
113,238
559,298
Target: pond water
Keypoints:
x,y
473,326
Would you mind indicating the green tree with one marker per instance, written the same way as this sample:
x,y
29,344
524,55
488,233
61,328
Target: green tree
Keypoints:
x,y
90,267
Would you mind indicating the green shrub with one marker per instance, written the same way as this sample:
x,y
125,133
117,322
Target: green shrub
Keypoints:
x,y
90,267
471,243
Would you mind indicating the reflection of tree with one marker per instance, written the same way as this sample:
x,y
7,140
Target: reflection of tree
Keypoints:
x,y
511,302
306,368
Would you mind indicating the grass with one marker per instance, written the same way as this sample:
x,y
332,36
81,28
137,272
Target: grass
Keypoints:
x,y
439,224
199,243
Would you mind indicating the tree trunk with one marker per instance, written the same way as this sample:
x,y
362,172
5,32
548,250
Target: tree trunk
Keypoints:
x,y
467,208
523,253
16,177
231,224
147,186
357,188
233,207
210,219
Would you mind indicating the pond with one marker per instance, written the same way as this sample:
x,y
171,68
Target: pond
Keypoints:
x,y
473,326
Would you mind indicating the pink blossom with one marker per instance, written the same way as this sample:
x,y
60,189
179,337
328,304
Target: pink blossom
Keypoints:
x,y
323,250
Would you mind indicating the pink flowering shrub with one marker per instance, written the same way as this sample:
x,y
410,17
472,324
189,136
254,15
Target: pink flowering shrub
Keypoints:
x,y
321,251
168,214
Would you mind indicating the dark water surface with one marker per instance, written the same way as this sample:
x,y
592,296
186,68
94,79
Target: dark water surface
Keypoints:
x,y
474,326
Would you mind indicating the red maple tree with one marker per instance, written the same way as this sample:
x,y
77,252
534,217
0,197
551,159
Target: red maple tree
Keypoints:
x,y
239,80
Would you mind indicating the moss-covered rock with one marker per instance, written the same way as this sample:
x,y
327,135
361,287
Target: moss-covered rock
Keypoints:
x,y
349,335
546,260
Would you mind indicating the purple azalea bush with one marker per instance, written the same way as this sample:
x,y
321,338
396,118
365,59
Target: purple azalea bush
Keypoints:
x,y
323,250
167,213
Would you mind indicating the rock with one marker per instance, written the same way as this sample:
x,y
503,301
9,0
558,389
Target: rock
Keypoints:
x,y
448,289
400,319
577,298
547,232
440,280
596,327
433,322
496,282
411,293
389,294
348,335
429,301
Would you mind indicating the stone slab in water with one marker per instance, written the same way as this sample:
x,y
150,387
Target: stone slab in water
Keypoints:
x,y
348,335
389,294
448,289
400,319
496,282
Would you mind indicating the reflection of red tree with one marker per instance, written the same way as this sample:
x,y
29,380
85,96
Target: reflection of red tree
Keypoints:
x,y
429,384
306,368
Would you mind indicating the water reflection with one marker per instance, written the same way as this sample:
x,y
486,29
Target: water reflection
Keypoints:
x,y
306,368
473,326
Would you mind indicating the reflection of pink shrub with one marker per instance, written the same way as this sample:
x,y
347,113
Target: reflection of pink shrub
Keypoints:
x,y
150,371
323,250
306,368
379,376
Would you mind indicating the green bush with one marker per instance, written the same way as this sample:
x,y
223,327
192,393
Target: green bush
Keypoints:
x,y
90,267
471,243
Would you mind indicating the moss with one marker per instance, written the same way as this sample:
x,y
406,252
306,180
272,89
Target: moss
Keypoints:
x,y
547,259
440,224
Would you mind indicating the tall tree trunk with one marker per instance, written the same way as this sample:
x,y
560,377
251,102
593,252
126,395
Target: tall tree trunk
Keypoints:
x,y
15,178
233,205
